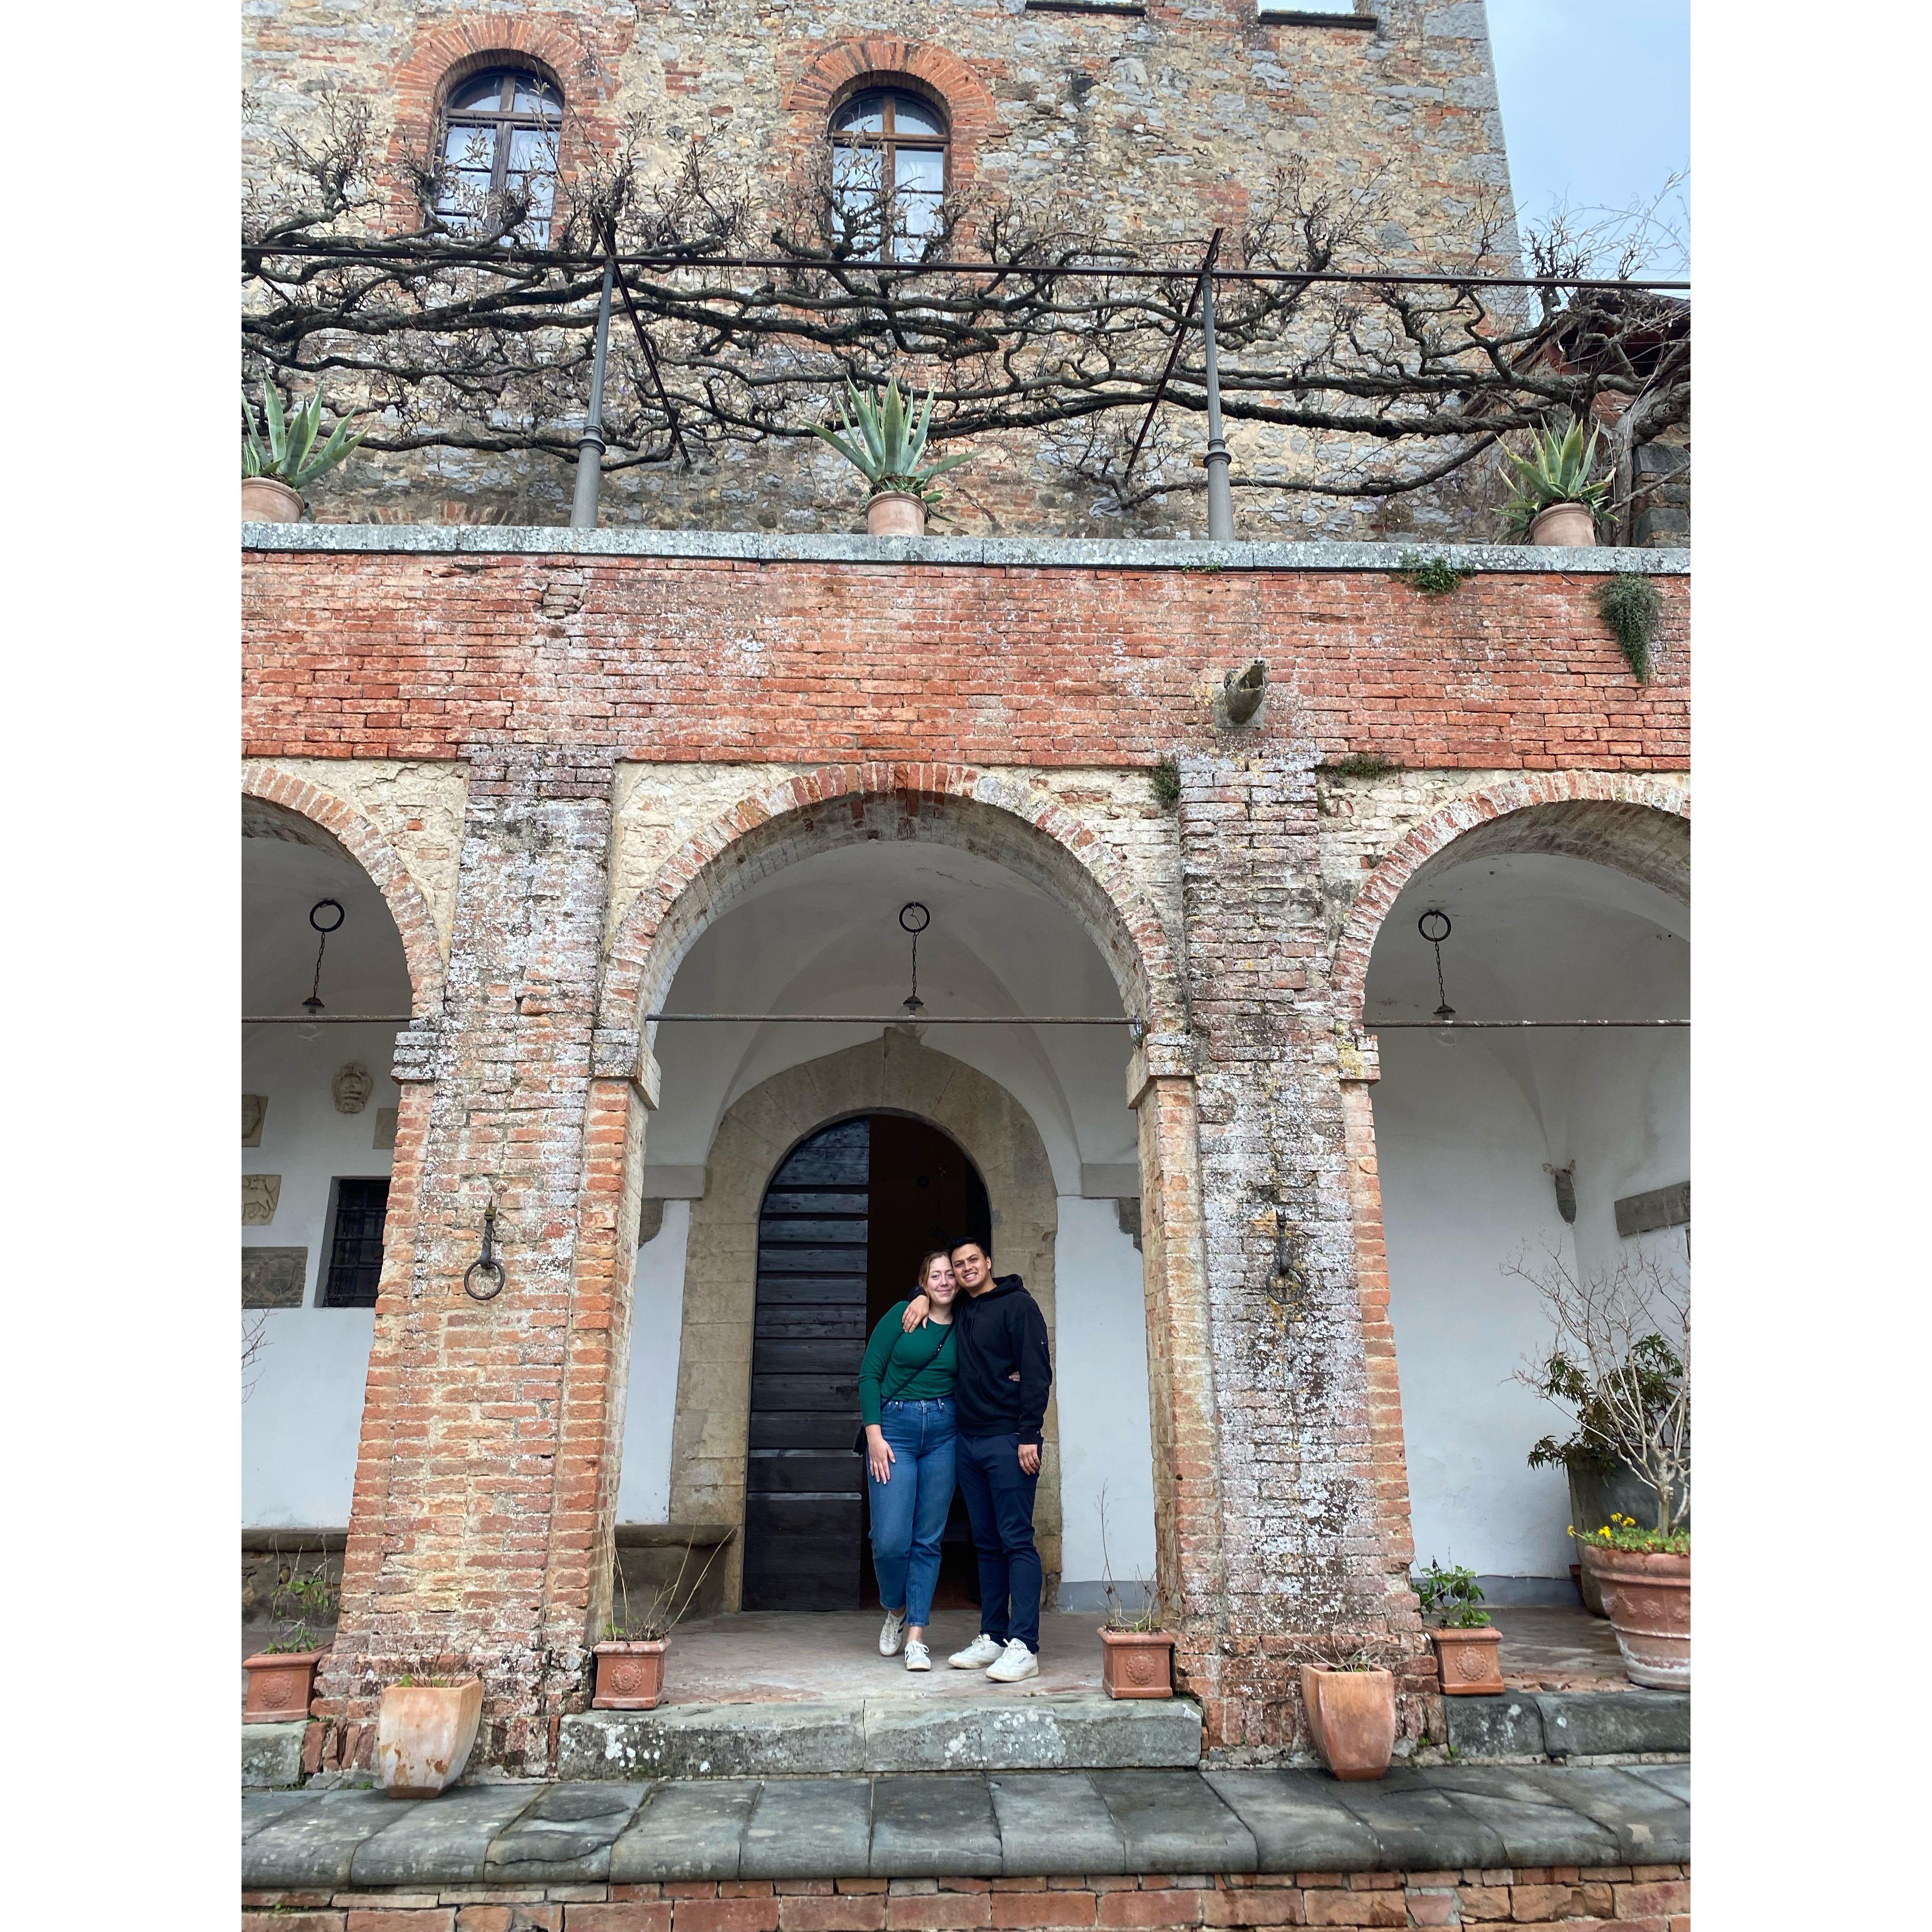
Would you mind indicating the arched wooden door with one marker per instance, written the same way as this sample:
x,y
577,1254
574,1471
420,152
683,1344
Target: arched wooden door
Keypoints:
x,y
844,1219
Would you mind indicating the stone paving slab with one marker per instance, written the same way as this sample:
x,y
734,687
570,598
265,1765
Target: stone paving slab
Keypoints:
x,y
1012,1825
1569,1724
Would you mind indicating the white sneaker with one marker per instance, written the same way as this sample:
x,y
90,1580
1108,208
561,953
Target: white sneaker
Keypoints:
x,y
977,1654
893,1634
1015,1661
918,1657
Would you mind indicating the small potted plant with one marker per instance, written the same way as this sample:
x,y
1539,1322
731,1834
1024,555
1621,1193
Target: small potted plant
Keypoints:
x,y
425,1730
1468,1645
1621,1359
631,1659
887,447
277,464
1552,497
1350,1702
281,1677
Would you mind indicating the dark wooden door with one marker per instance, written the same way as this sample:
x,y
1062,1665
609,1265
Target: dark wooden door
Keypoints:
x,y
804,1500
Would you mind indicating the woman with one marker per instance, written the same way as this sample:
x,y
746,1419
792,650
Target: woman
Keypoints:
x,y
905,1400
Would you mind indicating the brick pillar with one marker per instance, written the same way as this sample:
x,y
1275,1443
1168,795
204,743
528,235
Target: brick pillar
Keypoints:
x,y
1311,1548
1181,1387
480,1497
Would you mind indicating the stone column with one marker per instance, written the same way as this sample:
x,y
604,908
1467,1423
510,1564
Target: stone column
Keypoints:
x,y
1308,1554
484,1458
1181,1387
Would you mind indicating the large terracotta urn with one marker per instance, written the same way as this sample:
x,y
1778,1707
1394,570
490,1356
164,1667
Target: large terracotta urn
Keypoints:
x,y
1569,525
1351,1718
424,1733
895,513
266,500
1647,1596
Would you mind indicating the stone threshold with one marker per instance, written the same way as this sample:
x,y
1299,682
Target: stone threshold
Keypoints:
x,y
1006,552
1016,1825
1061,1730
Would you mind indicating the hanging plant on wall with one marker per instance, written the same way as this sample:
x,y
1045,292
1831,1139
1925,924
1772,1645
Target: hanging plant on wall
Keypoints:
x,y
1629,604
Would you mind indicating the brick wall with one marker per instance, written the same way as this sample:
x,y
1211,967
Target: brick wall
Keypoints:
x,y
1608,1898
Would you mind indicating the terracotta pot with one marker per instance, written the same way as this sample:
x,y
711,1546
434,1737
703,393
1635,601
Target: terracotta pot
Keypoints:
x,y
424,1733
1648,1598
1137,1663
264,500
630,1674
1351,1718
895,513
1469,1661
1569,524
281,1683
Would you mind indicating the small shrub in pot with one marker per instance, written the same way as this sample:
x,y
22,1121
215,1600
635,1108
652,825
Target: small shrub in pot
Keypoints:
x,y
1468,1645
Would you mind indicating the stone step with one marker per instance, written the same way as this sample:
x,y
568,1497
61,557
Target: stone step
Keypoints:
x,y
1065,1730
1569,1724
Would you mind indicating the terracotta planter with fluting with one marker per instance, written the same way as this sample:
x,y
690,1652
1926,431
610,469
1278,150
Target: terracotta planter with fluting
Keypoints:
x,y
1569,525
424,1733
1469,1661
281,1683
1648,1599
630,1674
264,500
895,513
1137,1663
1351,1718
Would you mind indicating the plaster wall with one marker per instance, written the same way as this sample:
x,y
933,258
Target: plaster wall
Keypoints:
x,y
657,1321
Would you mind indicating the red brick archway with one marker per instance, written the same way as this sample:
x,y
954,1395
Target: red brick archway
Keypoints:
x,y
400,893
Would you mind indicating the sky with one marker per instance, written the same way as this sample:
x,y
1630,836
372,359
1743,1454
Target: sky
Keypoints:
x,y
1596,98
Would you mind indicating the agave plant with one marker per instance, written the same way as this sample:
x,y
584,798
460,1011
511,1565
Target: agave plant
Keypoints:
x,y
884,443
287,453
1556,470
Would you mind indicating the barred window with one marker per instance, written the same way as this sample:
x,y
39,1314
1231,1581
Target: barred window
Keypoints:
x,y
499,154
889,171
356,1243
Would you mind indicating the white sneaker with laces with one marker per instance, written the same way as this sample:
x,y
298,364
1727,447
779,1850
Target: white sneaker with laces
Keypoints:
x,y
977,1654
893,1634
1015,1661
918,1657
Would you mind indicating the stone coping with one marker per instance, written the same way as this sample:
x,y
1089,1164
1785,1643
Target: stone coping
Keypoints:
x,y
1005,552
1017,1825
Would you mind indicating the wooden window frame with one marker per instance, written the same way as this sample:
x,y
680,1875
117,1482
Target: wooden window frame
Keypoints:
x,y
504,121
888,142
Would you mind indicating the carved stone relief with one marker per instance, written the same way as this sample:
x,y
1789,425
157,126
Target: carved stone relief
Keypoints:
x,y
385,1130
352,1087
273,1277
260,1195
254,1112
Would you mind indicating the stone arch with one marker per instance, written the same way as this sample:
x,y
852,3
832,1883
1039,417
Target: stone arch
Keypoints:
x,y
893,1074
834,72
377,857
1640,825
1002,818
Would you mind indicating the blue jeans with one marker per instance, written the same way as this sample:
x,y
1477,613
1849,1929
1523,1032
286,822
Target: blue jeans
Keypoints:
x,y
999,1501
909,1508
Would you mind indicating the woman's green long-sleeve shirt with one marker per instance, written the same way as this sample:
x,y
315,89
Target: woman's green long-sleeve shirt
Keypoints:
x,y
916,1367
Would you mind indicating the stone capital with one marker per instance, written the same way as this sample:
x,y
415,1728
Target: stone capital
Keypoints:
x,y
616,1053
1358,1054
1160,1056
414,1057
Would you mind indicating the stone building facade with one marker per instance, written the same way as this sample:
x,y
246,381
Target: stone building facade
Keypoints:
x,y
1162,119
561,761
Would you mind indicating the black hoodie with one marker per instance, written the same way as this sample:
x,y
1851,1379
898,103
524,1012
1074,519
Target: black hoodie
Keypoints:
x,y
1000,1331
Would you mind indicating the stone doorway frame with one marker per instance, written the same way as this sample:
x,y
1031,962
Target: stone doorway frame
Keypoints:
x,y
894,1074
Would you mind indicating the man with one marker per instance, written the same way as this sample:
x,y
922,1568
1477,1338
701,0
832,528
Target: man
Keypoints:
x,y
999,1400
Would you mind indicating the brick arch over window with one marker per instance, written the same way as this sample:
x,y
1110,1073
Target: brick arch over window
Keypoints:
x,y
1639,826
837,70
583,63
1001,818
378,858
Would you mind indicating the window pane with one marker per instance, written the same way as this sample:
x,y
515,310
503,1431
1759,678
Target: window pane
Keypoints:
x,y
541,190
464,192
919,215
470,148
859,171
912,115
482,90
535,97
923,168
532,151
863,114
355,1253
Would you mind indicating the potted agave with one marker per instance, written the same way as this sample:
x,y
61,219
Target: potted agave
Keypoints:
x,y
281,1677
1468,1645
882,441
631,1659
1349,1700
1552,498
1620,1362
280,460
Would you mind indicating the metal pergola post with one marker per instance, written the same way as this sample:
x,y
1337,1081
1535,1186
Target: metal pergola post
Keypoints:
x,y
1220,495
590,445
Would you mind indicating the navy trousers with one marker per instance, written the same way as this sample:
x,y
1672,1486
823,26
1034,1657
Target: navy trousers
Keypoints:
x,y
999,1505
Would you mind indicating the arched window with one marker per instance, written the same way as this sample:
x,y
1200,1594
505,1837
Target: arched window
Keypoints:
x,y
500,147
889,170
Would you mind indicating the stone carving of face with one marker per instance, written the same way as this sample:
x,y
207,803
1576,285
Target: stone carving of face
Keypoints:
x,y
353,1087
254,1112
